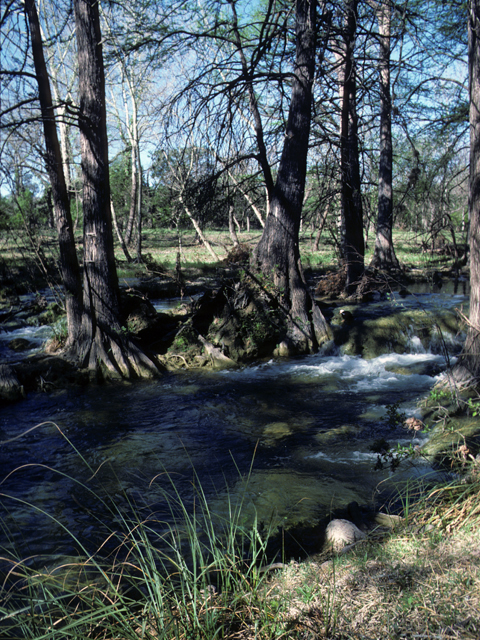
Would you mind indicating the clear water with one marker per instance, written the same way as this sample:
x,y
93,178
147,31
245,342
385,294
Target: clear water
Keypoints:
x,y
290,439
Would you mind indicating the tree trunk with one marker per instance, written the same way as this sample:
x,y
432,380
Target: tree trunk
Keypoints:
x,y
102,342
121,240
467,370
139,202
353,244
277,254
69,265
322,219
384,254
231,227
63,128
197,228
133,197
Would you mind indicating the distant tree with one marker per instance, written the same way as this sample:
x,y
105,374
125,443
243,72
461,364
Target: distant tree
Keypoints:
x,y
384,253
353,244
187,183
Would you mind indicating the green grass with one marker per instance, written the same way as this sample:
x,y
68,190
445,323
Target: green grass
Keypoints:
x,y
160,248
197,576
421,580
193,575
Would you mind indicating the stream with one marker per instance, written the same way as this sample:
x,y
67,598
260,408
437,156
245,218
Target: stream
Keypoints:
x,y
291,440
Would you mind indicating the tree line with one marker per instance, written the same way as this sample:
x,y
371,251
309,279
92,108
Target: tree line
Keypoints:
x,y
353,114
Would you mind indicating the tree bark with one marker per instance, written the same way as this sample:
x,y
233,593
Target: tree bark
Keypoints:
x,y
231,227
133,197
384,253
139,201
69,266
102,342
353,244
467,370
277,254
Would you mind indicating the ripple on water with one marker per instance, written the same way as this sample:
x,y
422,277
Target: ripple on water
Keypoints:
x,y
300,430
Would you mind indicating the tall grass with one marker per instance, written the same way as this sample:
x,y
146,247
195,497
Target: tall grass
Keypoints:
x,y
194,574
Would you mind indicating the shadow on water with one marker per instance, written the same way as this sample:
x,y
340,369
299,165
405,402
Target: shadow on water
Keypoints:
x,y
290,440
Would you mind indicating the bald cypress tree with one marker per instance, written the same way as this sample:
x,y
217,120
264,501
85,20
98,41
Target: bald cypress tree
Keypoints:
x,y
101,341
467,370
277,254
69,266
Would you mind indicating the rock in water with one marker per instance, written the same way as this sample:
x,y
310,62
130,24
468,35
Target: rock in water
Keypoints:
x,y
10,388
346,316
340,533
20,344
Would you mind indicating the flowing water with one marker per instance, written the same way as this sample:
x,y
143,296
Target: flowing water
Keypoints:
x,y
291,439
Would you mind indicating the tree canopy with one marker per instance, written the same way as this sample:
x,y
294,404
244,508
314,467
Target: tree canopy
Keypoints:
x,y
203,102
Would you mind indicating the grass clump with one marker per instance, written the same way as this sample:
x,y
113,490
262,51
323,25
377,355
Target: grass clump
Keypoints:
x,y
191,574
198,575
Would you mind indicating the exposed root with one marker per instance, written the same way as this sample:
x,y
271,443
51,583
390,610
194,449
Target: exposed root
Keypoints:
x,y
118,357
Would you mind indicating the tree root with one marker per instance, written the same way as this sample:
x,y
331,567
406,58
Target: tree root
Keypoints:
x,y
117,357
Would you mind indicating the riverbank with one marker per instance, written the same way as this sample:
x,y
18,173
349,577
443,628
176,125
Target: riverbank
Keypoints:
x,y
420,578
223,317
420,581
227,320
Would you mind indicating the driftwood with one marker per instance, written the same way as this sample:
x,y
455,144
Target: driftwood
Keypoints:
x,y
219,359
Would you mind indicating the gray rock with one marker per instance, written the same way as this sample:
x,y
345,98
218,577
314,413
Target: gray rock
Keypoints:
x,y
20,344
340,533
10,387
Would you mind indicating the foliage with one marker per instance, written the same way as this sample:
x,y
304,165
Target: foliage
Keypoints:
x,y
186,179
439,395
395,418
185,340
474,407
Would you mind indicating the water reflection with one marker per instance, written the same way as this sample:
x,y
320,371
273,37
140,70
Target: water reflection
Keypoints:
x,y
307,426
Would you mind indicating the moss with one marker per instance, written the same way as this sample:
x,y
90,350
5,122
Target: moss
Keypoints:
x,y
52,314
450,433
392,332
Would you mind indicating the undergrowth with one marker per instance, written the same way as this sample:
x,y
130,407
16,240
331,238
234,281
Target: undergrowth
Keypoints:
x,y
193,574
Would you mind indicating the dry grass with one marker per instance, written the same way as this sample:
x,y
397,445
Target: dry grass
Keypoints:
x,y
422,581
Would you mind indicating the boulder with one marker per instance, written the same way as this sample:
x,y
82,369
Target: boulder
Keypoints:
x,y
10,387
20,344
340,533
